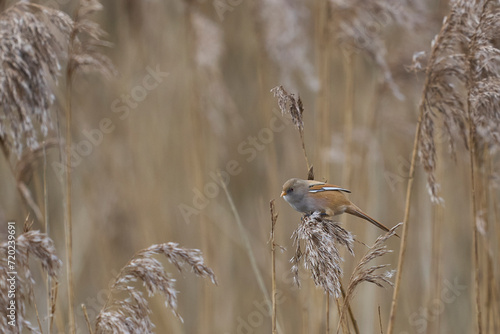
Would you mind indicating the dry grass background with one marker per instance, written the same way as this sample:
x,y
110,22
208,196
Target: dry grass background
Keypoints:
x,y
214,114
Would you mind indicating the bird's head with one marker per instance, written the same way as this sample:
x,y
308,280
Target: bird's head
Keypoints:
x,y
294,189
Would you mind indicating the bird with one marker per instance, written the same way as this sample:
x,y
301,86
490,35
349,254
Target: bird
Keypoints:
x,y
308,196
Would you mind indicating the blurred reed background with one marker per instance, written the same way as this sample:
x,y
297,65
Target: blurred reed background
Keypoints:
x,y
190,107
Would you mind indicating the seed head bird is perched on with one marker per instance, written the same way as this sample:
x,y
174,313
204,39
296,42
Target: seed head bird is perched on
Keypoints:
x,y
308,196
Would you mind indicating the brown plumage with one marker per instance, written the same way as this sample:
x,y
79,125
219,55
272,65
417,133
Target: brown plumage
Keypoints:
x,y
309,196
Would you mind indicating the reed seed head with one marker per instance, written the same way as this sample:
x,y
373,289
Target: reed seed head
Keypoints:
x,y
132,313
321,237
32,45
290,105
28,244
462,72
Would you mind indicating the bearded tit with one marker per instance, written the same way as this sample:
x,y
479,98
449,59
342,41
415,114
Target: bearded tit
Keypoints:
x,y
309,196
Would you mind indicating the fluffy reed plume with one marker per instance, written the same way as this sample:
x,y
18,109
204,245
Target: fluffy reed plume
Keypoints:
x,y
365,273
291,106
358,25
86,40
484,81
483,101
131,315
460,91
443,94
287,41
321,237
32,42
27,244
445,79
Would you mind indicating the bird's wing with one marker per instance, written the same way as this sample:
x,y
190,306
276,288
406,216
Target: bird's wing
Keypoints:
x,y
316,187
314,183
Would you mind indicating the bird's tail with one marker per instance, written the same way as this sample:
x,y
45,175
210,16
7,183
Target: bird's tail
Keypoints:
x,y
355,211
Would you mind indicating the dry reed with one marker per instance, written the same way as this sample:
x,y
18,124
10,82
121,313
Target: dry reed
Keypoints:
x,y
30,243
438,94
249,250
85,40
32,47
359,25
87,319
460,99
443,89
365,273
292,107
322,256
321,237
32,42
274,218
131,315
483,117
462,60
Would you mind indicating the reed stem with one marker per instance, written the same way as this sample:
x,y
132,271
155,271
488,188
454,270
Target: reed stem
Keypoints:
x,y
68,230
472,160
274,218
404,237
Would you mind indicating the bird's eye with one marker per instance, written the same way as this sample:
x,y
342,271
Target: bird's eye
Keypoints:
x,y
290,190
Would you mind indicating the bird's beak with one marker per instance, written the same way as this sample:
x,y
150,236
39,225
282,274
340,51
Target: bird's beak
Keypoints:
x,y
283,193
